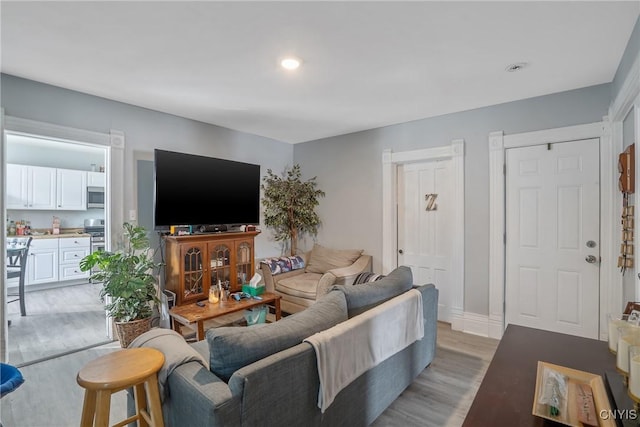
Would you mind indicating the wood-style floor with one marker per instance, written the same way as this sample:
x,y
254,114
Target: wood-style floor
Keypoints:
x,y
58,321
440,396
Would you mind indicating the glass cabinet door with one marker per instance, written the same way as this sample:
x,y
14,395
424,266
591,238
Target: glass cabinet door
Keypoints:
x,y
244,263
193,277
220,265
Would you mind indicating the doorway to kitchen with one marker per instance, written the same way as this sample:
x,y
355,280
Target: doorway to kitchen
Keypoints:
x,y
64,312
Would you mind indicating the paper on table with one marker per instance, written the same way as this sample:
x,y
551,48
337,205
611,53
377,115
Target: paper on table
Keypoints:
x,y
255,280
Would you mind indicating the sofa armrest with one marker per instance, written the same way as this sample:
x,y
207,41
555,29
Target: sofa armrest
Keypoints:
x,y
269,284
196,397
327,280
343,275
346,275
270,279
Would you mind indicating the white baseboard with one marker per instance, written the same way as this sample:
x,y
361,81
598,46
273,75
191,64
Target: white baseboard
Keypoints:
x,y
476,324
457,319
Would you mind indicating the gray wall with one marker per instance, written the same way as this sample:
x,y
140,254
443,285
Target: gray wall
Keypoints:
x,y
145,193
349,170
144,130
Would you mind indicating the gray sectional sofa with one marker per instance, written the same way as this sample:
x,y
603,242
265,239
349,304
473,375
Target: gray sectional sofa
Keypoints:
x,y
265,375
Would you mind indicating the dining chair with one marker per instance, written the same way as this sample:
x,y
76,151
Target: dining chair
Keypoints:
x,y
17,255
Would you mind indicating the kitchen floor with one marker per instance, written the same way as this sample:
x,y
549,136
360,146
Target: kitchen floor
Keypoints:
x,y
58,321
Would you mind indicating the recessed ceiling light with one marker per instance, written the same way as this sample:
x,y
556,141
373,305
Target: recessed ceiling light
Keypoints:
x,y
290,63
516,67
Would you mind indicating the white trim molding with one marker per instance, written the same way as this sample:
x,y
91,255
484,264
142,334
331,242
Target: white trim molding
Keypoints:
x,y
610,284
629,91
390,163
4,325
114,144
33,127
627,99
496,233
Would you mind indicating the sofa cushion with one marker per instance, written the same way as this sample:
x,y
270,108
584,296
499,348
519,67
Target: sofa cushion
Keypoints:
x,y
324,259
367,295
303,285
231,348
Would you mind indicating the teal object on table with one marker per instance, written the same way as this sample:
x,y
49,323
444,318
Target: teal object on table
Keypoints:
x,y
256,315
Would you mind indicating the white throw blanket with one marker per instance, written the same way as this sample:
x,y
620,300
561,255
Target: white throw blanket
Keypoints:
x,y
347,350
175,349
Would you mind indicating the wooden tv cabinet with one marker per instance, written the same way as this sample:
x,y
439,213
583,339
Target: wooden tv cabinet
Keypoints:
x,y
196,262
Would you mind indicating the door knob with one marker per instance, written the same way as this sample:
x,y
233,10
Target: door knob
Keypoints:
x,y
400,251
590,259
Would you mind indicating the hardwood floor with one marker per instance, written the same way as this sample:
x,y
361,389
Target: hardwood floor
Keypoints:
x,y
443,393
440,396
58,320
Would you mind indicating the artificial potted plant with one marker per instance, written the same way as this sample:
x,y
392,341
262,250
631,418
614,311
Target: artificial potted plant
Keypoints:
x,y
289,205
127,279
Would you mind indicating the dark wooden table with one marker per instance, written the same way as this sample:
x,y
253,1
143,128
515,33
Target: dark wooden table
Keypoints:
x,y
506,394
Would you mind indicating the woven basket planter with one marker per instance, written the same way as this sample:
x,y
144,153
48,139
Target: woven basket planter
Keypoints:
x,y
128,331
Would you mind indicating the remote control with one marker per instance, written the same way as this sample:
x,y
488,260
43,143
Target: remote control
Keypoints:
x,y
258,298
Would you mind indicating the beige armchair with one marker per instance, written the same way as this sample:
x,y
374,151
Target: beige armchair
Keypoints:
x,y
323,268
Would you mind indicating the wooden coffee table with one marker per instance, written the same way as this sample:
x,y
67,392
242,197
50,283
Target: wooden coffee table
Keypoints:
x,y
189,314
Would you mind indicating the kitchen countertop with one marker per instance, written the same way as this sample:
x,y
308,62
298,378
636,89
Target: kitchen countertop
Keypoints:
x,y
65,233
58,236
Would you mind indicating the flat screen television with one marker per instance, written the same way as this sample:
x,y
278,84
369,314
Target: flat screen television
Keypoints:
x,y
198,190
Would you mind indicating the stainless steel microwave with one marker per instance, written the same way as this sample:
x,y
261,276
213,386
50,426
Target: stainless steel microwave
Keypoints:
x,y
95,197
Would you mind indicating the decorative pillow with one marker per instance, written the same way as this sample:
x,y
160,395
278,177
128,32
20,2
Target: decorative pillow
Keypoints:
x,y
231,348
362,298
284,264
324,259
367,277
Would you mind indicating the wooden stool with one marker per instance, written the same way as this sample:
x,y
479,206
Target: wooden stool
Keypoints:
x,y
117,371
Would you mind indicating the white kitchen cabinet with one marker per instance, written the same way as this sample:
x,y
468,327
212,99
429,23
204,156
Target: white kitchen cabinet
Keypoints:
x,y
72,250
71,190
96,179
42,264
31,187
57,259
42,188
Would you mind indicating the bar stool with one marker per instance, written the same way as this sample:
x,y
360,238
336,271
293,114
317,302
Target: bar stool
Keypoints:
x,y
113,372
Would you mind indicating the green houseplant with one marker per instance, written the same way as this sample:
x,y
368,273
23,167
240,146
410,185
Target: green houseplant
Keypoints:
x,y
127,279
289,205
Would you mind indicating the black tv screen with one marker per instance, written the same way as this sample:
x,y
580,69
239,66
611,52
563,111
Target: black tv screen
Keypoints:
x,y
198,190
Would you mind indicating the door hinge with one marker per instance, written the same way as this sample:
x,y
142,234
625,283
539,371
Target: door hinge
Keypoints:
x,y
504,238
504,169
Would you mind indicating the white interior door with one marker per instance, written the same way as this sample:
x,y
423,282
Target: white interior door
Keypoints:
x,y
552,241
425,226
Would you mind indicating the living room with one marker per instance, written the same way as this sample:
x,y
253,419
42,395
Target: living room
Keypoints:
x,y
349,166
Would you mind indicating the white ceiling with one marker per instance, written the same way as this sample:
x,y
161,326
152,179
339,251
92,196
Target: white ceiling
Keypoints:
x,y
365,64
